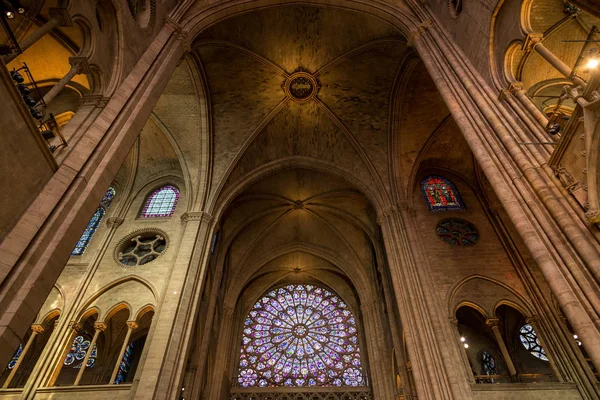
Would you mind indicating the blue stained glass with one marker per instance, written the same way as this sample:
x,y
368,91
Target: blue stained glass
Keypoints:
x,y
94,223
79,349
300,335
531,342
12,363
125,364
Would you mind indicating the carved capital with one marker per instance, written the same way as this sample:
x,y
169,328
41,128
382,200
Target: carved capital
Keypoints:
x,y
492,322
76,326
532,320
504,94
99,326
61,15
593,216
181,34
132,325
418,31
37,328
114,222
531,40
196,216
82,63
515,87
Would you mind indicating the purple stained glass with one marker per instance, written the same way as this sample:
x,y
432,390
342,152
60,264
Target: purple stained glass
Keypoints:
x,y
94,223
161,203
300,335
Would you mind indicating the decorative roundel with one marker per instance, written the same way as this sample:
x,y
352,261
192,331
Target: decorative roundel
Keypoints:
x,y
300,335
301,86
141,247
455,8
457,232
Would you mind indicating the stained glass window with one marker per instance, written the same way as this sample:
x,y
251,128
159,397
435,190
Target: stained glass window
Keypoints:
x,y
457,232
300,335
531,342
94,223
440,194
77,353
489,363
125,364
161,203
12,363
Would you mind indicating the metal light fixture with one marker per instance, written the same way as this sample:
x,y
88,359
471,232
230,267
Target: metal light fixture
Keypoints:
x,y
10,15
16,76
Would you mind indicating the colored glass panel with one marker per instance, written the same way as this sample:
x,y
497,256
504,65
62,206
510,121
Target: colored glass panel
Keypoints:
x,y
125,364
531,342
94,223
161,203
440,194
489,363
77,353
300,335
12,363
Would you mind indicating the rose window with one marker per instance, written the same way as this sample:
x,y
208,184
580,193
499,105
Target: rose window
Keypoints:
x,y
141,249
300,335
457,232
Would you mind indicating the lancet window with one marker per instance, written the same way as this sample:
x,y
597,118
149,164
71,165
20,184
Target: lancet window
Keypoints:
x,y
531,342
13,362
125,364
161,202
440,194
298,336
489,363
94,223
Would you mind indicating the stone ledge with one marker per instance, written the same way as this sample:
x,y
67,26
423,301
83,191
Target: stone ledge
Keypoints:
x,y
501,387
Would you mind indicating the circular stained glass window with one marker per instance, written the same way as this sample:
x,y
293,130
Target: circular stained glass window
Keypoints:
x,y
300,335
141,247
531,342
457,232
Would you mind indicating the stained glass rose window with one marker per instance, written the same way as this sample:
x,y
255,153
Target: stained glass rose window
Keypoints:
x,y
300,335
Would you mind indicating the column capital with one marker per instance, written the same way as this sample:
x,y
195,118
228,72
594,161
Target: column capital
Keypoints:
x,y
504,94
532,320
197,216
61,15
182,34
531,40
515,87
418,31
100,326
76,326
394,209
37,328
82,63
453,321
114,222
593,216
132,325
492,322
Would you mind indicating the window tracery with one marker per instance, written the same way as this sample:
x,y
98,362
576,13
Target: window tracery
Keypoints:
x,y
161,203
77,353
94,223
531,342
440,194
300,335
457,232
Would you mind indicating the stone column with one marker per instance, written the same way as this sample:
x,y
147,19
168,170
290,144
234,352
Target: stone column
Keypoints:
x,y
58,17
131,326
224,349
534,42
79,65
520,93
382,378
525,192
435,372
493,323
98,327
35,329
